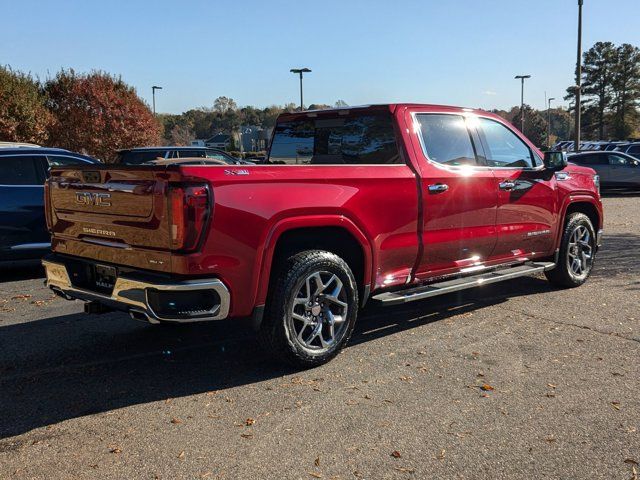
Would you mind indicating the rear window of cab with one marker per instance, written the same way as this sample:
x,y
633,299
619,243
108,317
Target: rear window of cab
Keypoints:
x,y
367,139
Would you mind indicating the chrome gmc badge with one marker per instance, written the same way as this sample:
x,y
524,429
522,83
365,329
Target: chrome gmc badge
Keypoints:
x,y
93,199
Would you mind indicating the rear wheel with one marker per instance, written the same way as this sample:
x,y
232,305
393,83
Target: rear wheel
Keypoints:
x,y
577,253
312,309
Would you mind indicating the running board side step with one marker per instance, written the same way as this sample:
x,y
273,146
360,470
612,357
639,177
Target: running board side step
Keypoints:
x,y
463,283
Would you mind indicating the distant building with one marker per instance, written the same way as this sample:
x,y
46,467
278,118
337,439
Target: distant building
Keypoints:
x,y
220,141
254,138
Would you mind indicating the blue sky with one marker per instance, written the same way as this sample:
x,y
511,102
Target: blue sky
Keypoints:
x,y
460,52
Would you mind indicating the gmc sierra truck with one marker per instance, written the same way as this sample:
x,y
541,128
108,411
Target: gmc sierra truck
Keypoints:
x,y
386,203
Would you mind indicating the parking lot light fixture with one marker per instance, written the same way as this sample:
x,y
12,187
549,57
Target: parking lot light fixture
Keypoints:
x,y
300,71
153,94
549,121
522,78
578,87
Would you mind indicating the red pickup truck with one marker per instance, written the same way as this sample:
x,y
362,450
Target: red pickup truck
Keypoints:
x,y
385,203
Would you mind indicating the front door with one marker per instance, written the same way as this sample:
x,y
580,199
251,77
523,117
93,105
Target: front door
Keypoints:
x,y
527,200
459,197
622,171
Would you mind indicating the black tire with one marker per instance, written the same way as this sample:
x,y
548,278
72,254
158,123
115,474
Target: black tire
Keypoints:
x,y
282,331
564,275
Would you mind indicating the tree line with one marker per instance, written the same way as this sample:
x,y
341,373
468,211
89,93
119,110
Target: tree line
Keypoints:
x,y
95,113
98,113
610,93
224,116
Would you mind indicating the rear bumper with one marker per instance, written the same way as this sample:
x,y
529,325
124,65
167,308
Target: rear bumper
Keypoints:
x,y
132,294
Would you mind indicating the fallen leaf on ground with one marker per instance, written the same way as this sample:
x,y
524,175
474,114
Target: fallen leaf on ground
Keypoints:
x,y
486,387
115,450
630,461
404,469
440,456
23,296
317,462
249,421
616,405
396,454
315,475
181,455
176,421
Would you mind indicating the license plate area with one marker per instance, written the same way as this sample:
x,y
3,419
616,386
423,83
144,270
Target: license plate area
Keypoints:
x,y
104,278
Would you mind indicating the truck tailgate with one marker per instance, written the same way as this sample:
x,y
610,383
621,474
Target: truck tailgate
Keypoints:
x,y
112,214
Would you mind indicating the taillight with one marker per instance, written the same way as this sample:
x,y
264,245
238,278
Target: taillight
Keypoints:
x,y
189,211
47,206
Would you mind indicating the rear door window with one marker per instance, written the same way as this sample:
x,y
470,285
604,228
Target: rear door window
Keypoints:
x,y
446,139
619,161
20,170
589,159
219,156
190,153
358,139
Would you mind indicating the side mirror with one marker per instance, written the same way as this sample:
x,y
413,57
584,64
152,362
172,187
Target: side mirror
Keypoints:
x,y
555,160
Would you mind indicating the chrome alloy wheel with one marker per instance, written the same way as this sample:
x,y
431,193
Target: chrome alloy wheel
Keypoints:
x,y
580,252
319,309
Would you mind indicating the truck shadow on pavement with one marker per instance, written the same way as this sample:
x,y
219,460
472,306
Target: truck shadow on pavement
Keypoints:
x,y
70,366
26,271
65,367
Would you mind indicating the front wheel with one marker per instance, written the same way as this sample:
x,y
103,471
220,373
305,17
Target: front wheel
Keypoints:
x,y
577,253
311,310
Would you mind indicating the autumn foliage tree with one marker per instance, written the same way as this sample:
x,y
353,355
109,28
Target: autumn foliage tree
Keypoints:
x,y
98,114
23,114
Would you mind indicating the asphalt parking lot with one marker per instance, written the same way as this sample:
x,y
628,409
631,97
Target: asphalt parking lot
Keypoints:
x,y
516,380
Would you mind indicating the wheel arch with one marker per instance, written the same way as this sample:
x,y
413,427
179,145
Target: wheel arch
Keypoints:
x,y
336,234
585,204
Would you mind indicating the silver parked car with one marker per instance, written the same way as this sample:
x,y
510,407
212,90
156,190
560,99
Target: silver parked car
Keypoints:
x,y
616,169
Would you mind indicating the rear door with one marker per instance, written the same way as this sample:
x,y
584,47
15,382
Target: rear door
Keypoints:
x,y
527,200
22,223
459,197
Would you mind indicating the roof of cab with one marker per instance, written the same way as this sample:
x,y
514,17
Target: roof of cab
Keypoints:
x,y
391,107
42,151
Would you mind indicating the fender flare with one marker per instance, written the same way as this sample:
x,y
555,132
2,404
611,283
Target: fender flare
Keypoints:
x,y
263,267
576,198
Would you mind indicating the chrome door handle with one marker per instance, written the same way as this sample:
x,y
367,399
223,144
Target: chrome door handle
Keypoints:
x,y
508,185
438,188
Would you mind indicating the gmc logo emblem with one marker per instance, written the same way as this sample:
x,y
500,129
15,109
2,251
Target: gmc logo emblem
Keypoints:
x,y
93,199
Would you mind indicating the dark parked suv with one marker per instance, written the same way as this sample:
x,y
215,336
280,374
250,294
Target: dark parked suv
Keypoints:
x,y
23,230
140,155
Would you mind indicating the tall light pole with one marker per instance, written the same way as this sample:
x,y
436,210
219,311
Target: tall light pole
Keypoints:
x,y
153,94
522,78
578,79
300,71
549,121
